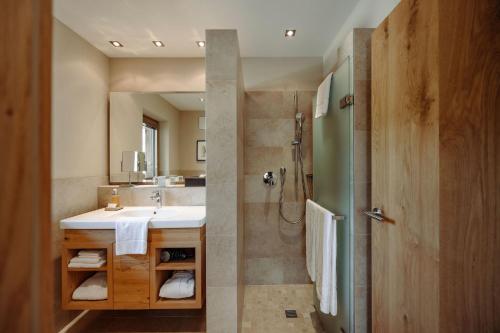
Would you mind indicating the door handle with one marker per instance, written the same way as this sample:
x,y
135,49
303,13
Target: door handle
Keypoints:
x,y
376,214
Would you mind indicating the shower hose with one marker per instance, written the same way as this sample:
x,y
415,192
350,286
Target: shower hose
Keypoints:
x,y
304,191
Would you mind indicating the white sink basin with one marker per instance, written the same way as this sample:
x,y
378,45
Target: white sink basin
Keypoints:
x,y
147,212
165,217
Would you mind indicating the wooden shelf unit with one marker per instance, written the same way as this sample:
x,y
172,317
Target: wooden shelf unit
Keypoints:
x,y
160,272
72,278
134,281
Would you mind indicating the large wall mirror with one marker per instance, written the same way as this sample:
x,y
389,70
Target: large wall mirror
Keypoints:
x,y
168,127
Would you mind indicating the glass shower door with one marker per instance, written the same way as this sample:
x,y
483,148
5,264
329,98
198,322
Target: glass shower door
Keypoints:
x,y
332,174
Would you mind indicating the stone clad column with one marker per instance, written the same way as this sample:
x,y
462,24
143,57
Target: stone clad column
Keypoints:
x,y
224,135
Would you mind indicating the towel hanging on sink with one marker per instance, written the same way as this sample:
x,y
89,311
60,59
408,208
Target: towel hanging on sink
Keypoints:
x,y
131,235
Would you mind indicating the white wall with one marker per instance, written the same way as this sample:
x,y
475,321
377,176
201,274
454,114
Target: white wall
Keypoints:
x,y
157,74
366,14
80,81
282,73
188,74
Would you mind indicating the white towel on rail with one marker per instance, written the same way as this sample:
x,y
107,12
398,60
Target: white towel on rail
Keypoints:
x,y
131,235
323,97
321,254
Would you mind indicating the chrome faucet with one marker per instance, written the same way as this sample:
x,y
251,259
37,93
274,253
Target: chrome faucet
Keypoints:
x,y
157,197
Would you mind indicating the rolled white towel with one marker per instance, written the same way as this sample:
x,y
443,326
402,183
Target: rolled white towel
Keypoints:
x,y
98,264
95,288
180,285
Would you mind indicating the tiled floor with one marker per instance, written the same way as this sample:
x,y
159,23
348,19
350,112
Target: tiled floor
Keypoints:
x,y
264,309
263,312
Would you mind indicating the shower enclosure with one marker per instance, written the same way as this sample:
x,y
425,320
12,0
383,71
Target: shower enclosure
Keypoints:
x,y
333,188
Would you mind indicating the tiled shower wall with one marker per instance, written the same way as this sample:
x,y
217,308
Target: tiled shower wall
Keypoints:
x,y
274,250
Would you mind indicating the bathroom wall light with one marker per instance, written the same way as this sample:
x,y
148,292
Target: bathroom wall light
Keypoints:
x,y
202,99
158,43
289,33
200,43
115,43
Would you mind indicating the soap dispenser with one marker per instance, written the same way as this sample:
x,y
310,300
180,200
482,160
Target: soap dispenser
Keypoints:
x,y
115,198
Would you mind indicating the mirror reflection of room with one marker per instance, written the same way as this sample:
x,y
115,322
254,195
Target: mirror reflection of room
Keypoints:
x,y
167,129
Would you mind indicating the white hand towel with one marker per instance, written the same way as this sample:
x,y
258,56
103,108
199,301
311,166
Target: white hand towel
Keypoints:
x,y
323,97
131,235
95,288
180,285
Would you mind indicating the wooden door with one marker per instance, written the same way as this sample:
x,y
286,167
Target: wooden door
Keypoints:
x,y
25,260
405,170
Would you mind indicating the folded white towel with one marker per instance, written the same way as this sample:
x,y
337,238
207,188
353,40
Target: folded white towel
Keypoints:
x,y
91,253
86,260
321,254
98,264
131,234
323,97
180,285
95,288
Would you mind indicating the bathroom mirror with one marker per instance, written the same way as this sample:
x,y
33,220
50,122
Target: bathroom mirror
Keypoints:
x,y
165,126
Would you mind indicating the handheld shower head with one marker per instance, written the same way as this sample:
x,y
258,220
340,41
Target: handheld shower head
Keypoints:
x,y
299,118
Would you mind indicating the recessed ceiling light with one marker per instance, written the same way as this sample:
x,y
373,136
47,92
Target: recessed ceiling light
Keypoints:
x,y
200,43
158,43
115,43
289,33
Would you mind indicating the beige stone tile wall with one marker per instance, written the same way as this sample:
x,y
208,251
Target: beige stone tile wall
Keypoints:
x,y
362,178
274,250
141,195
224,135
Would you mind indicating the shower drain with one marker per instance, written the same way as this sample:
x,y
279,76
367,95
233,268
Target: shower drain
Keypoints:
x,y
291,313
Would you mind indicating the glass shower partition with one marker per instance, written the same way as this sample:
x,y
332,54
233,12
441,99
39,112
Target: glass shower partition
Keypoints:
x,y
333,189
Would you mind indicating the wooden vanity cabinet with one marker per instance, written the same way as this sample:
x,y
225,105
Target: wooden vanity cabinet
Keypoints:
x,y
134,281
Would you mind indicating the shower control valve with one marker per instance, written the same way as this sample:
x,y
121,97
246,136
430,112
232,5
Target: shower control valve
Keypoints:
x,y
269,179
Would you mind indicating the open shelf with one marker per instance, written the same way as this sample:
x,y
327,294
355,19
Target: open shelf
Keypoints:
x,y
88,269
177,265
194,246
73,277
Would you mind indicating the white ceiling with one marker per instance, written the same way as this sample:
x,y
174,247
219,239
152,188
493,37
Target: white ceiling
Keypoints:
x,y
186,101
179,23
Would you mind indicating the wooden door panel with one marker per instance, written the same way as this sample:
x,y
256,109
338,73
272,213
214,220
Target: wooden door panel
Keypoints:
x,y
405,170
